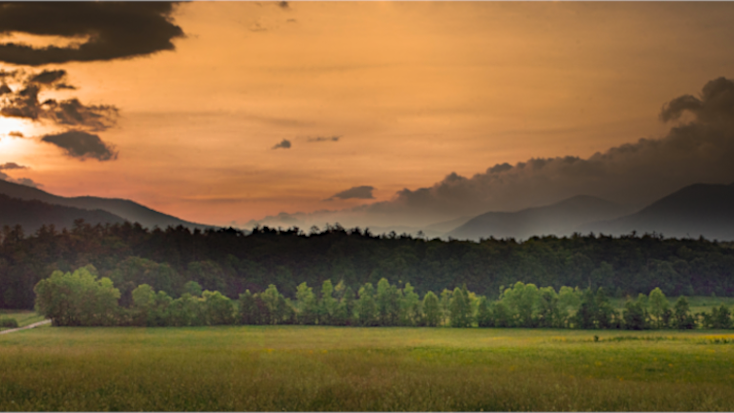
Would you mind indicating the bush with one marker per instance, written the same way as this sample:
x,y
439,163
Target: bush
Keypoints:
x,y
8,323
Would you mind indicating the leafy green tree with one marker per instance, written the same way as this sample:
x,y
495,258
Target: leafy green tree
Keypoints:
x,y
568,300
144,303
366,307
247,308
431,309
634,315
548,311
682,317
719,318
658,307
522,301
605,316
217,309
484,314
445,306
387,300
585,317
327,308
346,307
502,315
193,288
461,314
410,307
186,311
78,299
306,305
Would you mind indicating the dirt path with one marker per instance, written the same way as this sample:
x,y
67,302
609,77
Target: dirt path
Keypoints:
x,y
34,325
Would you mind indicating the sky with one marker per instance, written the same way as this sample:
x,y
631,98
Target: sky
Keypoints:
x,y
365,113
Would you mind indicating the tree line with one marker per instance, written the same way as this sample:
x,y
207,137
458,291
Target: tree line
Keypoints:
x,y
81,298
232,261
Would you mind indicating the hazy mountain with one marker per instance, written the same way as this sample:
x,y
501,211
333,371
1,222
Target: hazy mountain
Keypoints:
x,y
695,210
562,218
31,215
123,208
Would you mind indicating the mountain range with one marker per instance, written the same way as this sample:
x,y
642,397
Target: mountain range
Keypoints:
x,y
697,210
562,218
115,210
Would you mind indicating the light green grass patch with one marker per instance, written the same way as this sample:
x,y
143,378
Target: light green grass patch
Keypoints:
x,y
362,369
23,317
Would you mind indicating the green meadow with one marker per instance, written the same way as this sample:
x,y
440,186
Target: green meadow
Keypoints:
x,y
364,369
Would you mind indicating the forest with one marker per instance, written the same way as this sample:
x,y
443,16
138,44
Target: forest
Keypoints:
x,y
232,262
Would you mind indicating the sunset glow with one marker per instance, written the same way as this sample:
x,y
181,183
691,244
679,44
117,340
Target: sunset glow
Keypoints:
x,y
386,95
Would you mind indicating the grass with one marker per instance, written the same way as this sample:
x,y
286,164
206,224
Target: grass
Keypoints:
x,y
364,369
23,317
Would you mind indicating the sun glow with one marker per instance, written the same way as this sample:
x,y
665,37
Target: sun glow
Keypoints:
x,y
13,136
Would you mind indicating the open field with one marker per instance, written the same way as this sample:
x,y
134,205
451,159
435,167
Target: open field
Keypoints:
x,y
23,317
333,368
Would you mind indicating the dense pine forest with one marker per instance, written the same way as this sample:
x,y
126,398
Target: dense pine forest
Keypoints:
x,y
232,261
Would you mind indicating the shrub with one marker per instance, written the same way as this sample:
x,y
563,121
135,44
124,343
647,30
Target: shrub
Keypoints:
x,y
8,323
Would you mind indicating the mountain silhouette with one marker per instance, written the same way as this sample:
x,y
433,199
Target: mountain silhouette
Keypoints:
x,y
122,208
697,210
31,215
562,218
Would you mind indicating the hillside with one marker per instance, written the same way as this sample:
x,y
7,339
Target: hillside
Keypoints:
x,y
562,218
697,210
123,208
31,215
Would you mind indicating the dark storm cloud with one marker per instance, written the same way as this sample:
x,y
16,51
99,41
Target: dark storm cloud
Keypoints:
x,y
24,103
636,174
82,145
284,144
324,139
113,30
48,77
14,166
357,192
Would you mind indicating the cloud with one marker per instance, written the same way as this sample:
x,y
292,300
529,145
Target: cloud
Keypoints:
x,y
8,166
357,192
24,102
284,144
11,165
48,77
112,30
324,139
283,4
635,174
82,145
15,134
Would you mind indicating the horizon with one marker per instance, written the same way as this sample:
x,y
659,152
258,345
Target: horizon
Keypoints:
x,y
384,114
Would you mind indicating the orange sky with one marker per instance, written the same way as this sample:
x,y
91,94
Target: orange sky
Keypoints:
x,y
413,90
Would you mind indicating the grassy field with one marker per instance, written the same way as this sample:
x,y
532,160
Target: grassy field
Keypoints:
x,y
333,368
23,318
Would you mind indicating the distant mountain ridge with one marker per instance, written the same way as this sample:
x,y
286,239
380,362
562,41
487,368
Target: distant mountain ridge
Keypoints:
x,y
122,208
562,218
697,210
33,214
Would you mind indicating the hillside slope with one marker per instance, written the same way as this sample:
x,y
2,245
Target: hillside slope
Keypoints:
x,y
123,208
